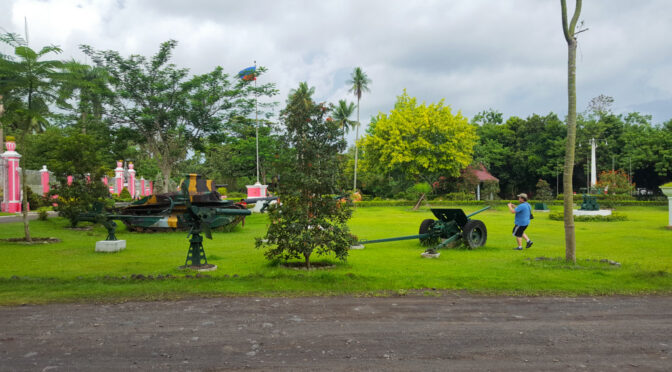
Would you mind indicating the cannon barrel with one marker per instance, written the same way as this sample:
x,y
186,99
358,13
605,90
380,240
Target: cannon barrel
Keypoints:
x,y
233,212
478,211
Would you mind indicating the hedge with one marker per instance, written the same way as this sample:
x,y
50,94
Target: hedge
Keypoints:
x,y
615,216
411,203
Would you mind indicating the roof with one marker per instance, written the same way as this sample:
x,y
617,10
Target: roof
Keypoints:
x,y
481,173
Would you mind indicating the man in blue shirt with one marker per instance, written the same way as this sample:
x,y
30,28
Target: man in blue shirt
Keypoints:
x,y
523,212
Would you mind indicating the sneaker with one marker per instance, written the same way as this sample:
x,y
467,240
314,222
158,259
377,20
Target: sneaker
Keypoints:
x,y
529,244
518,249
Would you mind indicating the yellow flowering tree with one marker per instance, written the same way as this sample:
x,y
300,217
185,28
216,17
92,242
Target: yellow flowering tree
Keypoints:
x,y
422,141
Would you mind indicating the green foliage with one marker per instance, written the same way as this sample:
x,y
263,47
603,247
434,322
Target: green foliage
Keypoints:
x,y
169,111
544,192
615,216
309,219
68,151
669,184
222,190
420,141
79,197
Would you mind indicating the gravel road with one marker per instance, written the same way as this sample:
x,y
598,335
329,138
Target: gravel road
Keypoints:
x,y
416,332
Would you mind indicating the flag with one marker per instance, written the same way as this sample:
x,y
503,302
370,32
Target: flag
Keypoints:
x,y
248,73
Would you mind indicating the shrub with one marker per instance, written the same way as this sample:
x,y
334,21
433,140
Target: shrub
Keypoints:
x,y
125,195
42,213
615,182
544,192
78,197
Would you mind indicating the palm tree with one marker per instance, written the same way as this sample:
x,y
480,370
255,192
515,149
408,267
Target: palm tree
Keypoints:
x,y
360,83
302,91
342,113
31,84
89,86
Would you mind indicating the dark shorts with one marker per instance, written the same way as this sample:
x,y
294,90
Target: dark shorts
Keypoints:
x,y
518,231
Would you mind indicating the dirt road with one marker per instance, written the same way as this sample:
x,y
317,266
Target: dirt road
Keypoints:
x,y
449,332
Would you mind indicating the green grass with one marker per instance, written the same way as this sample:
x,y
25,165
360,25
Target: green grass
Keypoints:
x,y
72,271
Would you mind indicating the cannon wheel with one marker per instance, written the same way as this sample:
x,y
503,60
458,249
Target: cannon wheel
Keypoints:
x,y
425,226
474,234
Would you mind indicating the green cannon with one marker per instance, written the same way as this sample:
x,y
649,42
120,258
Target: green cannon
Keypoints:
x,y
451,225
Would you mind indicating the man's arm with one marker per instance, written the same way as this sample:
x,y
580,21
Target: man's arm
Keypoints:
x,y
511,208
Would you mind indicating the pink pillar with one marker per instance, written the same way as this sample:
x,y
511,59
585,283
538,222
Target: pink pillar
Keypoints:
x,y
11,202
69,180
119,177
104,180
131,180
143,192
44,174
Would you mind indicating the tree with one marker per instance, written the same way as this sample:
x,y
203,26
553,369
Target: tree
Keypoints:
x,y
309,219
342,113
569,30
359,83
29,82
169,111
424,142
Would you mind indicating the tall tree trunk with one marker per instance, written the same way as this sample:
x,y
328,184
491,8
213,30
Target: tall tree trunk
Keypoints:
x,y
568,173
165,173
307,257
569,30
354,187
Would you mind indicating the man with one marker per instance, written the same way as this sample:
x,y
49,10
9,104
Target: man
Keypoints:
x,y
523,212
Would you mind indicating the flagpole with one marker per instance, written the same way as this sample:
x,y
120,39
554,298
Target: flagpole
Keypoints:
x,y
256,116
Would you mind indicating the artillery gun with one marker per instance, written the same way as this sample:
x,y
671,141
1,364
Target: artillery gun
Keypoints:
x,y
451,225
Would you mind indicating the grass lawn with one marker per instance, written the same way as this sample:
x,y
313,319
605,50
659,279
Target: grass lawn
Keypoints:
x,y
72,271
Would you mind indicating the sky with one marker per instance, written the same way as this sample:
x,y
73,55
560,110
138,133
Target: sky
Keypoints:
x,y
506,55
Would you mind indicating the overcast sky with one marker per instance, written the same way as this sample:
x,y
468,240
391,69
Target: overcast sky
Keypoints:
x,y
502,54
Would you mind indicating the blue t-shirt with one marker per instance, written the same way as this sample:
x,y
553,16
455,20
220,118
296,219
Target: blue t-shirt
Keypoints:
x,y
523,214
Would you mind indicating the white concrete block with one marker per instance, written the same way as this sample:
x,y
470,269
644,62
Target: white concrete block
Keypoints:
x,y
430,255
110,245
601,212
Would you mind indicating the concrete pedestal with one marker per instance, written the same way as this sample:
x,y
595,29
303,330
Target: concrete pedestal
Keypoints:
x,y
358,246
430,255
110,245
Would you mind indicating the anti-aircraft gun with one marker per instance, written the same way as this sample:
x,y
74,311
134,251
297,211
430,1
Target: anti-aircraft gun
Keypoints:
x,y
196,208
